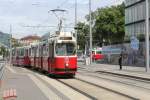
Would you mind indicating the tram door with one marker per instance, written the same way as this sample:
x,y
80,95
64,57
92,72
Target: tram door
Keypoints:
x,y
45,57
51,57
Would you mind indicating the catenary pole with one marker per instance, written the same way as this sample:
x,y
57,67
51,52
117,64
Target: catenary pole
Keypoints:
x,y
76,24
147,35
90,32
10,40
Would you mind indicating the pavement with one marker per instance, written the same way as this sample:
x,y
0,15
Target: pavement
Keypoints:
x,y
24,87
130,71
19,83
29,87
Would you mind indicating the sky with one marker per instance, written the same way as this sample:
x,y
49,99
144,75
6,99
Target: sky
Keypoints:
x,y
19,14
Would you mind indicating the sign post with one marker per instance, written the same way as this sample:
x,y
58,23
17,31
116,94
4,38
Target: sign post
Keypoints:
x,y
134,43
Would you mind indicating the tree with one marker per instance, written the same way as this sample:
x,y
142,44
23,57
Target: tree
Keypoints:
x,y
2,51
108,26
82,30
15,43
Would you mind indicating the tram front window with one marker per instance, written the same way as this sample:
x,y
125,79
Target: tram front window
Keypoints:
x,y
65,49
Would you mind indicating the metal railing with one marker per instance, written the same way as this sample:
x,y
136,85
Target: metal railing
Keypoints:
x,y
2,64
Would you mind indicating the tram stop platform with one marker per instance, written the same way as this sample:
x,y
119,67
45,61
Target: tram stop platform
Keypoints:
x,y
17,85
129,71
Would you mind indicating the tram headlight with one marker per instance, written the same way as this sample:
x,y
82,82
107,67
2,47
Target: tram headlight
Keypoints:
x,y
67,64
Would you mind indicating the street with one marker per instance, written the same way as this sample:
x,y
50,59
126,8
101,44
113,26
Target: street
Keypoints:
x,y
88,84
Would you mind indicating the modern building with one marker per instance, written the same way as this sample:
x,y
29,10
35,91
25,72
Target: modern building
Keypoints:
x,y
135,28
135,13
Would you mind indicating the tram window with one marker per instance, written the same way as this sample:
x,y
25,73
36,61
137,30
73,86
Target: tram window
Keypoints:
x,y
45,50
51,50
26,52
13,52
29,51
36,51
98,52
39,50
70,49
65,49
33,51
61,49
21,52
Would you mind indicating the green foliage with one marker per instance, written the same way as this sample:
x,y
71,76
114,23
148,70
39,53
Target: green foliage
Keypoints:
x,y
108,26
2,50
82,30
15,43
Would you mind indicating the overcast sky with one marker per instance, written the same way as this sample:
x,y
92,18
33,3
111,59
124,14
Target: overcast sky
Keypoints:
x,y
20,13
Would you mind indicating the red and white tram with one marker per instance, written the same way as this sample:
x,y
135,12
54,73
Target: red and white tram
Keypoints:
x,y
62,54
20,56
57,55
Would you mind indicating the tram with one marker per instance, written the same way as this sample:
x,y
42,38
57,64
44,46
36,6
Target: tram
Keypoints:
x,y
62,56
56,55
20,56
97,54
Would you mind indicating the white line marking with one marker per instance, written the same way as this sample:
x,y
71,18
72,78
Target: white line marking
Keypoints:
x,y
65,90
47,92
11,69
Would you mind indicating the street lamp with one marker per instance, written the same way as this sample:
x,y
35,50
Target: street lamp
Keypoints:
x,y
147,35
76,25
10,55
90,23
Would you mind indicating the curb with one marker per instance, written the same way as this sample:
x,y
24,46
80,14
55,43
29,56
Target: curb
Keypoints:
x,y
126,75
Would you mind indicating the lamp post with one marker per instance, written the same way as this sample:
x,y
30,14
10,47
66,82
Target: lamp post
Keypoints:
x,y
147,35
10,55
76,36
90,23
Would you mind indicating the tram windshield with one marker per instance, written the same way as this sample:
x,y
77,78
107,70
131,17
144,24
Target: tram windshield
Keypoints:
x,y
65,49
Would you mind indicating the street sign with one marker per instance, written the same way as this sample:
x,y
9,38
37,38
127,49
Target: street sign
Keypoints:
x,y
134,43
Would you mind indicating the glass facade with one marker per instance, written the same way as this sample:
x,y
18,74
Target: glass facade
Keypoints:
x,y
135,13
130,2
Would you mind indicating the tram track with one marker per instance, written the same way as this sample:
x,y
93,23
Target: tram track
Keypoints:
x,y
131,83
122,82
90,93
139,79
83,82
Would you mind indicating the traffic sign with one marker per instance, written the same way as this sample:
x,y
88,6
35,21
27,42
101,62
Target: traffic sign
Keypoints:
x,y
134,43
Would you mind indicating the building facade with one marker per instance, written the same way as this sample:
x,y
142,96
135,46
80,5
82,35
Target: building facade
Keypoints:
x,y
135,26
135,13
29,39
